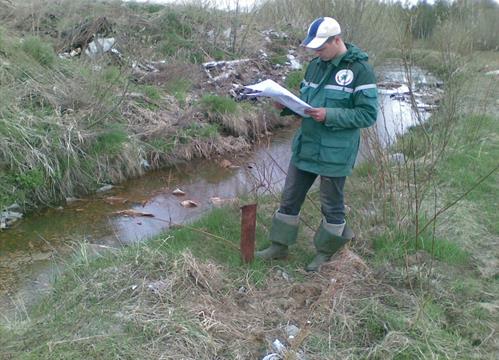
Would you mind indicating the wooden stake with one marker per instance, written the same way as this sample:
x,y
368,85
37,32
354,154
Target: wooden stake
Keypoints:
x,y
248,230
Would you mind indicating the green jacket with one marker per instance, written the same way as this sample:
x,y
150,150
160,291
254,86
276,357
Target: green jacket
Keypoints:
x,y
346,87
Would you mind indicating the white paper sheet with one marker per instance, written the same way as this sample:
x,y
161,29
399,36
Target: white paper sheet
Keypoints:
x,y
283,96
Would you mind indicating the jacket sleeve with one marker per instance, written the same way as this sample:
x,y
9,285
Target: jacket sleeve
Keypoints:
x,y
365,105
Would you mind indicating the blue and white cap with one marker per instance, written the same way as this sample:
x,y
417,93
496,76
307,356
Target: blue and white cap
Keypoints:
x,y
319,31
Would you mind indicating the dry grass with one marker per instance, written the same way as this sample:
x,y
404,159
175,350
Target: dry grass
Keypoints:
x,y
188,308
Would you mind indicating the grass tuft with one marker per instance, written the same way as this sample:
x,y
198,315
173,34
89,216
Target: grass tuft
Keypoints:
x,y
39,50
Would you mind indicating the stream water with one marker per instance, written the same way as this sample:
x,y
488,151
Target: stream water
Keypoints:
x,y
36,248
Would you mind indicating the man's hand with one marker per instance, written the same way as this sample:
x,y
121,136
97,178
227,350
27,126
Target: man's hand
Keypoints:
x,y
318,114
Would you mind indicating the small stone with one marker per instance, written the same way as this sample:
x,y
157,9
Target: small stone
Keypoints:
x,y
286,276
105,188
219,202
292,331
145,164
189,204
225,163
178,192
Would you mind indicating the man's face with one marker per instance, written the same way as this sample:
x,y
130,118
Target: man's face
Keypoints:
x,y
328,50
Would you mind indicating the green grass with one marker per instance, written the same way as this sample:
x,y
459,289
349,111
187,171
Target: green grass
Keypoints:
x,y
472,160
224,224
365,169
198,131
111,140
88,312
40,51
179,89
219,104
294,78
278,59
396,245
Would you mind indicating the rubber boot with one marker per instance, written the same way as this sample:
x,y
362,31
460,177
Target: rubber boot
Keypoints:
x,y
283,233
328,239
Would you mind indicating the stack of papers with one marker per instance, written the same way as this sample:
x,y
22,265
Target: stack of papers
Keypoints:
x,y
283,96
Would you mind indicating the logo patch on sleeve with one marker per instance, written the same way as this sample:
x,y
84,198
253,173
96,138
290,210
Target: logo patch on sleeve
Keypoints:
x,y
344,77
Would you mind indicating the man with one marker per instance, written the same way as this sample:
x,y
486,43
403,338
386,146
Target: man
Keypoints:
x,y
340,86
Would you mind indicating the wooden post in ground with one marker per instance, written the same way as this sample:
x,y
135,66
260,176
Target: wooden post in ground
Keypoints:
x,y
248,231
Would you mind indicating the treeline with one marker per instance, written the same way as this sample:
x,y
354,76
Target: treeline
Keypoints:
x,y
477,19
461,26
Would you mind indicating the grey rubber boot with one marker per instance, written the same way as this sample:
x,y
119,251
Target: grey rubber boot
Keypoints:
x,y
283,233
328,239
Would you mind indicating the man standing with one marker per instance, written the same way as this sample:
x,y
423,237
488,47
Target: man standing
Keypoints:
x,y
340,86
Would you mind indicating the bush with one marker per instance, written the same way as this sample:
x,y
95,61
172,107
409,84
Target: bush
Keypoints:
x,y
38,50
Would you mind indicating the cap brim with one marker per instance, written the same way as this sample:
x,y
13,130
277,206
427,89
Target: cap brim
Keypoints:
x,y
313,42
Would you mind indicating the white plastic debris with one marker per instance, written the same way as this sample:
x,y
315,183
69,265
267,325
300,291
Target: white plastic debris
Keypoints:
x,y
7,218
262,54
14,207
272,356
278,346
99,46
402,89
294,63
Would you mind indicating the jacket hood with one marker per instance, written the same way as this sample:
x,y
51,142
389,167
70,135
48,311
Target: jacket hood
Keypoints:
x,y
354,54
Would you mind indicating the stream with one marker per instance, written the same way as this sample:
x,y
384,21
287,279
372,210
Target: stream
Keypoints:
x,y
36,248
